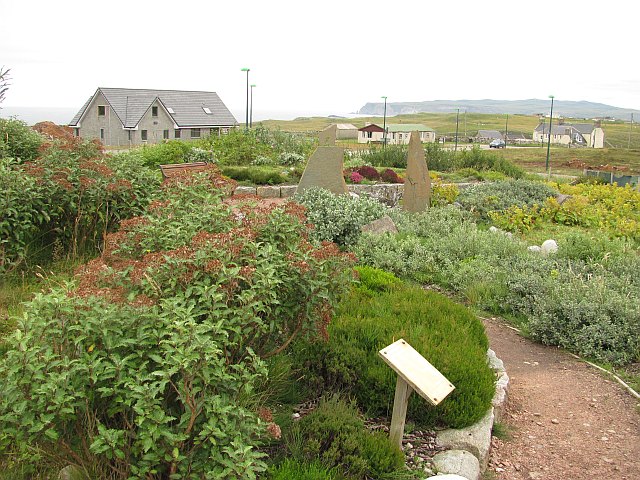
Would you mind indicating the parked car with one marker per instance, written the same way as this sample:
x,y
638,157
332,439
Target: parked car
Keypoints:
x,y
497,143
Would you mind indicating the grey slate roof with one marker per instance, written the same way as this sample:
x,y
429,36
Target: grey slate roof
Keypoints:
x,y
130,105
489,134
582,128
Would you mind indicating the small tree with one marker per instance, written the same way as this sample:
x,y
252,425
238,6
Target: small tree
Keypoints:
x,y
4,82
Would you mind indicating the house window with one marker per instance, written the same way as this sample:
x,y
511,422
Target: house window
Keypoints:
x,y
195,133
102,110
206,110
143,135
102,134
170,110
154,111
177,133
129,135
368,134
165,134
76,131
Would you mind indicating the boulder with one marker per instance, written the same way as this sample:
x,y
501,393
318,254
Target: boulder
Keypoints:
x,y
457,462
549,246
380,226
475,439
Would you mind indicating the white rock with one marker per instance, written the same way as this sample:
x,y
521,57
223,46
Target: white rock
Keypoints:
x,y
494,229
535,248
549,246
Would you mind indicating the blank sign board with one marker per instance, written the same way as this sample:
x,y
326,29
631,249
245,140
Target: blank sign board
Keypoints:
x,y
423,377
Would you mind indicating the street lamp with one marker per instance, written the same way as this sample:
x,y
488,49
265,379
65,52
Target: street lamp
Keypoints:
x,y
547,166
251,108
384,124
457,118
506,131
246,117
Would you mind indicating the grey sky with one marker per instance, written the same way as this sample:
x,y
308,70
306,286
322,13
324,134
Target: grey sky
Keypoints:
x,y
322,57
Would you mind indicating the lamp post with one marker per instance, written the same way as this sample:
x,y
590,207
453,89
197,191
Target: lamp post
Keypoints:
x,y
384,124
547,166
457,118
506,131
246,118
251,109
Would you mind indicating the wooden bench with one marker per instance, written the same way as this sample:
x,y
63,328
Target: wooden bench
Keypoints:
x,y
173,169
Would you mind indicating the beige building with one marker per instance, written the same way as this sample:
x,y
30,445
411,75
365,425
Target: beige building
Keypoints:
x,y
579,134
124,116
399,134
346,131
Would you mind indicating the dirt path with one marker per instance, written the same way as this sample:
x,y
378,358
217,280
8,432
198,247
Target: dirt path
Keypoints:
x,y
565,419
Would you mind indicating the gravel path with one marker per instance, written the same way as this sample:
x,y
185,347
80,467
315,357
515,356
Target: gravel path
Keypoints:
x,y
566,421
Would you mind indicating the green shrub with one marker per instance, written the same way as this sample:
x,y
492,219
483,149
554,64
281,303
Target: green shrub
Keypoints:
x,y
444,160
67,199
373,280
446,334
173,151
255,175
392,156
338,218
296,470
290,159
151,367
487,197
575,298
18,140
335,435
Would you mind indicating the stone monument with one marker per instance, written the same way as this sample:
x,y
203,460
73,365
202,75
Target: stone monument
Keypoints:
x,y
324,168
417,184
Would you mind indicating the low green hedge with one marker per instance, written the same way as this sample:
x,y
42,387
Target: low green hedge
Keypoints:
x,y
255,175
447,334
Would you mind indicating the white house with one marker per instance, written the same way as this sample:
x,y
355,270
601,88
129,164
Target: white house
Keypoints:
x,y
370,133
400,133
582,134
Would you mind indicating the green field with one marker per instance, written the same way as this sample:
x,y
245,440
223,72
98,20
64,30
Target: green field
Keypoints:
x,y
618,136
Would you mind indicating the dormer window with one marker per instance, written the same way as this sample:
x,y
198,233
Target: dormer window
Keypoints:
x,y
206,110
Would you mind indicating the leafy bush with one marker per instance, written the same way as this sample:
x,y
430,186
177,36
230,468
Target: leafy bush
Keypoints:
x,y
563,299
338,218
443,194
255,175
373,280
67,198
149,368
392,156
173,151
445,333
487,197
390,176
368,172
442,160
290,159
335,435
18,141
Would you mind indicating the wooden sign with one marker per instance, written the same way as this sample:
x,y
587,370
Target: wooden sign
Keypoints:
x,y
414,373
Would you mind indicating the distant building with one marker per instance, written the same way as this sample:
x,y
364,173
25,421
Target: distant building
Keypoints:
x,y
124,116
346,131
400,133
371,133
517,138
581,134
488,135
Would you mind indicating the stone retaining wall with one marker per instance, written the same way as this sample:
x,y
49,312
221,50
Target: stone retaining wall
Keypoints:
x,y
388,193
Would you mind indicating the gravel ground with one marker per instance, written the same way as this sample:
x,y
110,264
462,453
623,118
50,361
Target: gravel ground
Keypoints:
x,y
564,419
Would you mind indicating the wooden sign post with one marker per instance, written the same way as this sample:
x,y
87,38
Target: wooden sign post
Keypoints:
x,y
414,373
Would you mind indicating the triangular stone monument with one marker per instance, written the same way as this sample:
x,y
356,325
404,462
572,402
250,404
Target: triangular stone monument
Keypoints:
x,y
324,168
417,184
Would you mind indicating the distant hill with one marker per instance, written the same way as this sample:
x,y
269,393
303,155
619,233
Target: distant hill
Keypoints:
x,y
563,108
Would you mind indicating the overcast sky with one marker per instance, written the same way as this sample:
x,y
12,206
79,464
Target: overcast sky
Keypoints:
x,y
321,58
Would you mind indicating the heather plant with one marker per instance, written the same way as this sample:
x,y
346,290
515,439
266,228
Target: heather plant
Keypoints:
x,y
338,218
445,333
390,176
334,434
151,366
368,172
